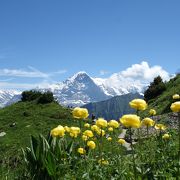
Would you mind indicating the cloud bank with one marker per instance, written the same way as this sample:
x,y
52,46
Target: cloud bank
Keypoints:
x,y
144,72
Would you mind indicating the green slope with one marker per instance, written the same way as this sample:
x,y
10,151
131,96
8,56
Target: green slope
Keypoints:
x,y
113,108
163,102
30,119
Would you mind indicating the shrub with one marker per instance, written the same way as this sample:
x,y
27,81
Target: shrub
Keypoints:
x,y
41,98
46,97
155,89
30,95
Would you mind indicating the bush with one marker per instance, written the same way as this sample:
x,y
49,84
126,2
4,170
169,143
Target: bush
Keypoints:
x,y
46,97
155,89
41,98
30,95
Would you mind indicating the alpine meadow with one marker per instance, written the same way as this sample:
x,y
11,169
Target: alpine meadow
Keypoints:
x,y
89,90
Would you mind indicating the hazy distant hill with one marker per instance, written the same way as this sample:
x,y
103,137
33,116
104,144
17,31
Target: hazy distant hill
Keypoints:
x,y
113,108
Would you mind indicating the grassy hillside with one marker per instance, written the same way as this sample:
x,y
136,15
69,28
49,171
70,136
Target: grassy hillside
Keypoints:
x,y
29,119
163,102
113,108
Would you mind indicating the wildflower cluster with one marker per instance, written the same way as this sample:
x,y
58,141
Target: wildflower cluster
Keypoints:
x,y
100,146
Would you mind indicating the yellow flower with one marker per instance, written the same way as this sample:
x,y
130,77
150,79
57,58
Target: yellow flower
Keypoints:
x,y
103,162
100,132
176,96
152,112
81,151
121,141
101,123
74,131
130,121
175,107
87,125
109,138
113,123
166,136
94,128
88,133
91,144
160,127
110,129
67,129
138,104
147,122
58,131
84,138
80,113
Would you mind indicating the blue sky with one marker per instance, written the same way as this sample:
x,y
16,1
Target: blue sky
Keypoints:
x,y
51,40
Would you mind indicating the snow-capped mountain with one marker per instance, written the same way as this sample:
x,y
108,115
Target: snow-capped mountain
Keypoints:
x,y
81,89
6,96
116,84
78,90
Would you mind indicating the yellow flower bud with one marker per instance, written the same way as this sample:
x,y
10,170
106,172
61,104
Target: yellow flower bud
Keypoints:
x,y
109,138
58,131
80,113
152,112
175,107
138,104
166,136
102,123
94,128
88,133
87,125
147,122
67,129
101,132
110,129
84,138
176,96
81,151
74,131
91,144
160,127
113,123
121,141
131,121
103,162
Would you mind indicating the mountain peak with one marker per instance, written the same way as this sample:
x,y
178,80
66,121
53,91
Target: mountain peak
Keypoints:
x,y
78,75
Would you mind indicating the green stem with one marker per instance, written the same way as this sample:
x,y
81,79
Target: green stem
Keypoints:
x,y
147,130
179,142
101,145
132,148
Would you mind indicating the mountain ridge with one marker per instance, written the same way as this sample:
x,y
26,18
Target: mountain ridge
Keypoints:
x,y
81,89
114,107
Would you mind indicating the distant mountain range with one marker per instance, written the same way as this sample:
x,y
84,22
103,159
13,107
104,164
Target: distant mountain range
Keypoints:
x,y
7,96
112,108
81,89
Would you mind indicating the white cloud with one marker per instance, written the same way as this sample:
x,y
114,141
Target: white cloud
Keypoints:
x,y
8,85
103,72
31,73
6,80
59,72
144,72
